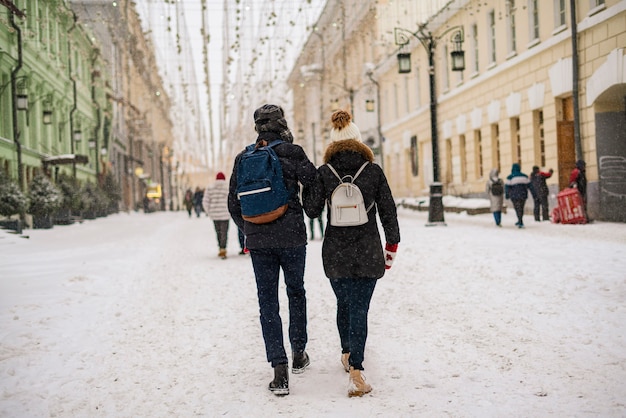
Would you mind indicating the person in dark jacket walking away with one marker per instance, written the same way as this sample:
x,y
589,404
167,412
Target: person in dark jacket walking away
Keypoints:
x,y
215,204
188,201
353,256
495,190
198,195
538,179
280,244
578,180
516,188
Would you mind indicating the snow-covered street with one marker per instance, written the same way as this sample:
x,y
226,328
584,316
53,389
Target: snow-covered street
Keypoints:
x,y
134,315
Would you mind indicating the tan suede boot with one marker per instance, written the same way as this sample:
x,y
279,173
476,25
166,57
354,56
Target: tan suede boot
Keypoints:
x,y
222,253
358,386
345,360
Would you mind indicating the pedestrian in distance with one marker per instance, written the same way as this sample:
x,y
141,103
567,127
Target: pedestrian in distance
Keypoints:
x,y
495,190
516,188
197,201
188,201
353,256
279,244
215,205
578,180
538,179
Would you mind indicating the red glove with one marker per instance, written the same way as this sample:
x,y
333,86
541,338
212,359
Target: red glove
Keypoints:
x,y
390,254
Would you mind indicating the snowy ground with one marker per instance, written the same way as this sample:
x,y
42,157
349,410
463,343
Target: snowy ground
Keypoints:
x,y
135,316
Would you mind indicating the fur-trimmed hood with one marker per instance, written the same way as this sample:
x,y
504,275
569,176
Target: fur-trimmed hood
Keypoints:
x,y
348,145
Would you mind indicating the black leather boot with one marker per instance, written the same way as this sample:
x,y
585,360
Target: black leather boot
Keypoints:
x,y
280,385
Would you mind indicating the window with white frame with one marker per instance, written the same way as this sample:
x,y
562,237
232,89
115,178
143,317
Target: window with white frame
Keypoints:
x,y
560,13
475,48
418,101
491,20
533,18
512,35
446,72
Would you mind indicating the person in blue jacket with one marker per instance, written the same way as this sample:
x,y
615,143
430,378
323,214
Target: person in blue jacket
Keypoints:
x,y
516,188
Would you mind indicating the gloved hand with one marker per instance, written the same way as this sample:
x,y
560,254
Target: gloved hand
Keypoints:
x,y
390,254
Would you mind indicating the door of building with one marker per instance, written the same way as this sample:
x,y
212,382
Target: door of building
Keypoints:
x,y
566,147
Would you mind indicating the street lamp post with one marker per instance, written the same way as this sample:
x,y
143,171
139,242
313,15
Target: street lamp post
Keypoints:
x,y
435,207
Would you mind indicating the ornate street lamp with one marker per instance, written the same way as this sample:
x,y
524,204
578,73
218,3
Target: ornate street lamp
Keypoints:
x,y
369,106
435,208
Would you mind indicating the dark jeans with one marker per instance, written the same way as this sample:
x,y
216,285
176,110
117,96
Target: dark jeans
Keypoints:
x,y
518,205
312,226
221,230
353,304
242,239
497,216
267,263
541,207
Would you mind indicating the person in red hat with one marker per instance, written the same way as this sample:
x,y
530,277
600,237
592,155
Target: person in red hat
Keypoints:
x,y
215,204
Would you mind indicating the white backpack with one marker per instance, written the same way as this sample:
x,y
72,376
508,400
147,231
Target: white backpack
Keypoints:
x,y
346,206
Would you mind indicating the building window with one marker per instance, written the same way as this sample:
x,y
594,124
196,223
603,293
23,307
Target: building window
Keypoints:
x,y
512,36
516,141
395,101
492,36
475,47
446,72
414,157
407,95
418,101
539,137
449,171
495,146
560,13
533,9
463,155
478,148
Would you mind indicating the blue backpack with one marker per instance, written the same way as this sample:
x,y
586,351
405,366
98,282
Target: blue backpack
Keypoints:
x,y
261,189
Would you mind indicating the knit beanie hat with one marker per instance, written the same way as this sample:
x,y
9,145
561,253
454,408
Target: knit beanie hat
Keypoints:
x,y
220,176
271,118
343,127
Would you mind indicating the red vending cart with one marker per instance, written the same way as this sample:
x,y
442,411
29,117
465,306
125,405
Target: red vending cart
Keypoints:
x,y
571,210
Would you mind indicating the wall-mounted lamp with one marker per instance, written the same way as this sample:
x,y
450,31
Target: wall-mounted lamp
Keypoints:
x,y
92,143
78,136
458,55
22,101
404,62
369,105
47,111
47,117
334,104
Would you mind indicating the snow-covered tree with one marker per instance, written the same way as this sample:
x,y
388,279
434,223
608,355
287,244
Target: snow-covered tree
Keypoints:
x,y
44,197
12,200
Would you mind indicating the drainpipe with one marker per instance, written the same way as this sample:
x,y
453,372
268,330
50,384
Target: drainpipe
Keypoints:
x,y
16,131
95,74
575,77
74,106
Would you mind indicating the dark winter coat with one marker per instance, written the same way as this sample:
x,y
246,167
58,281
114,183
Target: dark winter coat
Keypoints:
x,y
518,184
289,230
354,251
538,180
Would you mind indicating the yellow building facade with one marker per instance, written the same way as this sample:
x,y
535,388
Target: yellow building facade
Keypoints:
x,y
514,102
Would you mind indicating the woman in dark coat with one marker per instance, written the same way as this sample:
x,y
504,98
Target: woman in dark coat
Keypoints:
x,y
353,256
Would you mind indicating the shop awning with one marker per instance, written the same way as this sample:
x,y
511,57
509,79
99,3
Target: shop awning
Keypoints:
x,y
65,159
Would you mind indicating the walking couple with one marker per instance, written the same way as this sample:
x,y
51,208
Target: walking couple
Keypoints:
x,y
353,257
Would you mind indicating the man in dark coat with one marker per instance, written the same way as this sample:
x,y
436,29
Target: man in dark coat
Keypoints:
x,y
280,244
538,179
353,256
